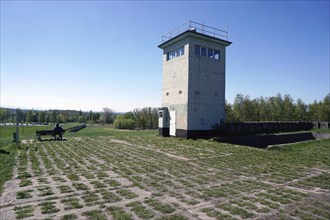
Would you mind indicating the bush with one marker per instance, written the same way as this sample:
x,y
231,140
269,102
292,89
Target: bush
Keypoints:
x,y
124,122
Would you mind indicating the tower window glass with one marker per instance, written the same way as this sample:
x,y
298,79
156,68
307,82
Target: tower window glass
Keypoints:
x,y
217,54
210,53
197,50
175,53
203,52
207,52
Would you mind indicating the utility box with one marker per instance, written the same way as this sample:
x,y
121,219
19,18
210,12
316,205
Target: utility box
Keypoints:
x,y
193,84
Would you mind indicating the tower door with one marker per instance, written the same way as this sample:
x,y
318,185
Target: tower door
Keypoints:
x,y
172,123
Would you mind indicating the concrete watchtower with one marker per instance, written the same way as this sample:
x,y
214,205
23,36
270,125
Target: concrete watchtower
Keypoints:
x,y
193,88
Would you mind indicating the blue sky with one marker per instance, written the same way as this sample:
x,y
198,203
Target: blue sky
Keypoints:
x,y
93,54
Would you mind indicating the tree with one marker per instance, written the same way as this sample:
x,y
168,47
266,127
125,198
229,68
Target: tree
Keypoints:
x,y
247,110
229,112
325,109
264,109
96,117
300,113
82,119
313,111
42,117
47,118
30,116
91,116
3,115
60,118
54,116
146,118
276,108
22,116
125,121
238,107
108,115
288,109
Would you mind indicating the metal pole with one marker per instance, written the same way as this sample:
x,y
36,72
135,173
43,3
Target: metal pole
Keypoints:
x,y
17,124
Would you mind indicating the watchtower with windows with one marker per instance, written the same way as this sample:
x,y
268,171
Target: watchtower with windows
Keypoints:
x,y
193,86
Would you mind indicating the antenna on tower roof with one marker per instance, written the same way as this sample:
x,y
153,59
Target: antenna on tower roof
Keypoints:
x,y
227,30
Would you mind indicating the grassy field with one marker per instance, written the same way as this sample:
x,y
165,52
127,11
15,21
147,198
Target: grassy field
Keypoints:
x,y
103,173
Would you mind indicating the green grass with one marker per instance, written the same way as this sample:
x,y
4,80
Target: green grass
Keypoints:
x,y
65,189
80,186
7,163
172,217
119,214
69,217
58,179
99,130
321,130
29,132
73,177
216,214
140,210
8,150
48,207
236,211
94,215
128,194
25,194
25,183
164,208
24,175
71,203
45,190
25,132
112,182
235,181
98,184
24,211
90,198
109,197
321,181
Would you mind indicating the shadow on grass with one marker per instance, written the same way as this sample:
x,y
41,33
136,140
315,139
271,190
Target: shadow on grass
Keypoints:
x,y
4,152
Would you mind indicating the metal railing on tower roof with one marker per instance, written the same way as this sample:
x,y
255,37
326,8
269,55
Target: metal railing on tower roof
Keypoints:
x,y
200,28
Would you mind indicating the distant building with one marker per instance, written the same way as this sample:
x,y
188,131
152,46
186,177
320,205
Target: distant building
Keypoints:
x,y
193,88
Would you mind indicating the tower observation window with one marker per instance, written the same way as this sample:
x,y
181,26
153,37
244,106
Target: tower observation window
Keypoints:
x,y
217,54
197,50
175,53
210,53
203,52
207,52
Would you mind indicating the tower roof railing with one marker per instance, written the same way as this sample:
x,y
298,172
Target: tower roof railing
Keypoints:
x,y
200,28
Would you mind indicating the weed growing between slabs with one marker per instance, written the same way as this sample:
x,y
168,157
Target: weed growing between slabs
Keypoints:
x,y
24,211
148,177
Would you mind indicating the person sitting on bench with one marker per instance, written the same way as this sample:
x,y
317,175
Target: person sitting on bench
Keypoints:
x,y
58,131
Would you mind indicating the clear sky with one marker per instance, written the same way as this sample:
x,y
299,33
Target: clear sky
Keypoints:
x,y
93,54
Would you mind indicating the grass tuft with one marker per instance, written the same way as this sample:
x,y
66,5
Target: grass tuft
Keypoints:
x,y
94,215
24,211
